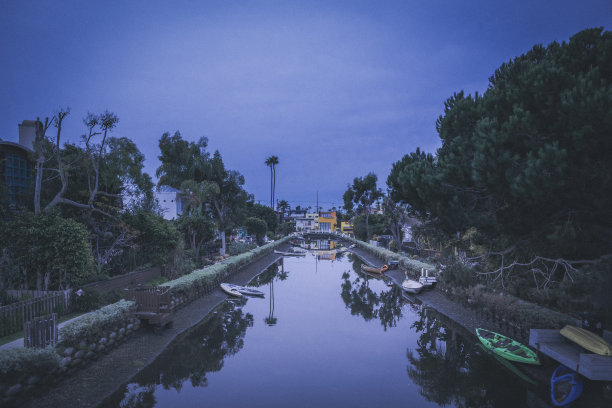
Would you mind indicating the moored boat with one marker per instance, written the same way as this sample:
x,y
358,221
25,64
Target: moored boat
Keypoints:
x,y
372,269
230,291
245,290
506,347
587,340
411,286
565,386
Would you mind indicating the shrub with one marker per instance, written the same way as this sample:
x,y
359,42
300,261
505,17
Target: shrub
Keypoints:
x,y
385,254
237,248
458,274
16,363
94,324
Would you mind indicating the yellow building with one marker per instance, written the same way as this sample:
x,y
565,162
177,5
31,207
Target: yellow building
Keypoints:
x,y
327,221
346,227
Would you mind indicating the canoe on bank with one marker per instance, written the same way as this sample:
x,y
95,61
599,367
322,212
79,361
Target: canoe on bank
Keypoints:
x,y
587,340
230,291
371,269
244,290
565,386
506,347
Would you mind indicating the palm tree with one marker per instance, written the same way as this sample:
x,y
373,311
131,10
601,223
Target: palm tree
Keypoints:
x,y
271,162
283,206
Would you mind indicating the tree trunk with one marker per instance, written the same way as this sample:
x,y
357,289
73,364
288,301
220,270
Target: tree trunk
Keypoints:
x,y
271,188
273,185
222,251
367,225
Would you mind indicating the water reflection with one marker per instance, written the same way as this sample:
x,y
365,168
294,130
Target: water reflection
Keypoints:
x,y
189,360
451,369
363,301
315,355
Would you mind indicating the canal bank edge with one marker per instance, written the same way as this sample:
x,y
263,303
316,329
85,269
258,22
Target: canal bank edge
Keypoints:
x,y
470,309
52,376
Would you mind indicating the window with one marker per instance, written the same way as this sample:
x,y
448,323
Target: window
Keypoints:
x,y
17,175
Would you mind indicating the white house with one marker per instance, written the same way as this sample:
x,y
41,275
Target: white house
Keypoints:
x,y
169,202
304,224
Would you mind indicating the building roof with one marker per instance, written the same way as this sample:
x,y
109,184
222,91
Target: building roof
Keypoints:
x,y
167,189
16,145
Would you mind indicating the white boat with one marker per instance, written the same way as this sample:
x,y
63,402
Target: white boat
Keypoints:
x,y
229,290
411,286
244,290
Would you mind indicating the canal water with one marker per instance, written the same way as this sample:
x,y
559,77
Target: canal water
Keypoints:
x,y
326,335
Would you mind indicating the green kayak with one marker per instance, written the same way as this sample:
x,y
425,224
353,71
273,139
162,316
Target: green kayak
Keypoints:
x,y
506,347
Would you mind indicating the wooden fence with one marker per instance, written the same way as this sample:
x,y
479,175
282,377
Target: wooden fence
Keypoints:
x,y
40,331
13,316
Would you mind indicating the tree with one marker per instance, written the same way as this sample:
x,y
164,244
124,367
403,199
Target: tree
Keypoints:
x,y
257,227
524,165
265,213
283,206
182,160
271,162
154,237
62,252
362,193
395,215
228,198
197,229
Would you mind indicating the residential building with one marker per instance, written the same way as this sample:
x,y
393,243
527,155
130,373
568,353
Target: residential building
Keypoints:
x,y
346,227
327,221
315,219
304,224
169,201
17,165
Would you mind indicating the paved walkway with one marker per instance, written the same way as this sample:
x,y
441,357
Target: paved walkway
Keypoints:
x,y
95,382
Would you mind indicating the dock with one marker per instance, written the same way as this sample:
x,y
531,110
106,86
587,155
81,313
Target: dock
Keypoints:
x,y
552,344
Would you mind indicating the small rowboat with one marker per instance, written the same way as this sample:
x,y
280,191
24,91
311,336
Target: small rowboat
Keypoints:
x,y
371,269
411,286
506,347
230,291
245,290
587,340
565,386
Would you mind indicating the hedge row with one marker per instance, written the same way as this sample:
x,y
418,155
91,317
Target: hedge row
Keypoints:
x,y
91,325
385,255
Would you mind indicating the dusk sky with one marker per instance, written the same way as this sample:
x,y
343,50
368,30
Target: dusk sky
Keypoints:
x,y
335,89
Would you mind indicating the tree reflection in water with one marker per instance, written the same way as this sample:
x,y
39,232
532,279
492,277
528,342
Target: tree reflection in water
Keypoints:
x,y
451,370
199,352
361,300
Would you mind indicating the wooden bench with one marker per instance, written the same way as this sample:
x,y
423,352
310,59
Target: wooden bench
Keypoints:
x,y
153,304
554,345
